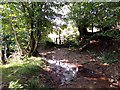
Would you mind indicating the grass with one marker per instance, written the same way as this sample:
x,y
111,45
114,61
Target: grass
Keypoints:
x,y
23,73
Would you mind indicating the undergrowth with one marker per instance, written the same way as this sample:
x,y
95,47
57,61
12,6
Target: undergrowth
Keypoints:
x,y
107,57
23,74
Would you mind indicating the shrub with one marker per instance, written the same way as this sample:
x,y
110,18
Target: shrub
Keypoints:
x,y
71,41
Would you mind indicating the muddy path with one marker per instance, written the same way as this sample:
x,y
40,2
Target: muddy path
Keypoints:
x,y
69,68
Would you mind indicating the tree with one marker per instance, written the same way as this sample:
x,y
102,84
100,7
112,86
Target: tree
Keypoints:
x,y
40,16
28,22
90,14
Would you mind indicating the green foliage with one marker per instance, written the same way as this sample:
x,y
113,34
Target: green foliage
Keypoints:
x,y
43,41
71,41
28,22
98,13
28,70
20,74
14,85
13,25
113,33
110,33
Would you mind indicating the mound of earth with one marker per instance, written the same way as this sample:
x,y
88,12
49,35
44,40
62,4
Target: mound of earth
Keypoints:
x,y
102,44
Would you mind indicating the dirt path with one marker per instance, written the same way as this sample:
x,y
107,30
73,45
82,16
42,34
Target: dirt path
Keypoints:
x,y
91,72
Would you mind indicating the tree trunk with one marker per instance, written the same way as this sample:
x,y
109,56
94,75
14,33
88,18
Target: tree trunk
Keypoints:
x,y
59,37
92,28
2,57
5,51
16,41
34,39
18,45
82,31
4,54
3,48
38,36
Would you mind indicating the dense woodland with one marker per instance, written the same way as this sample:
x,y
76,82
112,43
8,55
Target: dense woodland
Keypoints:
x,y
24,38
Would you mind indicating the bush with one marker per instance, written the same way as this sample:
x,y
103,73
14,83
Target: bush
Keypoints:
x,y
71,41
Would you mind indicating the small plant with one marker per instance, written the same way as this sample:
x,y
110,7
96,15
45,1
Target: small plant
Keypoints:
x,y
14,85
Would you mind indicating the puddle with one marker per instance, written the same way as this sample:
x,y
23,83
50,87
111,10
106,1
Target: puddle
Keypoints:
x,y
65,71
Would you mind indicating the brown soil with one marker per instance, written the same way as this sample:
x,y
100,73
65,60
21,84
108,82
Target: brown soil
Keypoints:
x,y
92,73
100,44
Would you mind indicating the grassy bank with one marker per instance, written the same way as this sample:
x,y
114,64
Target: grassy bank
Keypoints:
x,y
23,74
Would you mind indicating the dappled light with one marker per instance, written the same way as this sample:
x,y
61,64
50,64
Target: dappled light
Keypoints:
x,y
22,71
62,67
59,45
